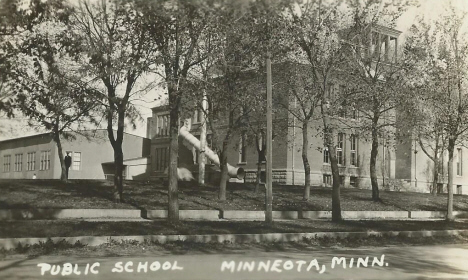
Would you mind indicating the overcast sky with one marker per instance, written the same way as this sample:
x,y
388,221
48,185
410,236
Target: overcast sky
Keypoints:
x,y
17,127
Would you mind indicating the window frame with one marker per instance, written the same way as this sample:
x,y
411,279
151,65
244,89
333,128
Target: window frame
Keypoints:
x,y
18,162
326,155
243,148
31,161
353,150
6,163
73,161
340,149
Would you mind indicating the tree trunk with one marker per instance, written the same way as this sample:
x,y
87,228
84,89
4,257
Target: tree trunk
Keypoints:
x,y
435,174
451,147
118,156
63,174
329,142
118,173
261,158
336,204
259,174
305,160
224,172
373,171
173,192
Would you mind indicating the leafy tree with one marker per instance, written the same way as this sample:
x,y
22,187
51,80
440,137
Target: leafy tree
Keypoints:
x,y
175,28
306,105
115,49
374,77
315,27
441,48
40,77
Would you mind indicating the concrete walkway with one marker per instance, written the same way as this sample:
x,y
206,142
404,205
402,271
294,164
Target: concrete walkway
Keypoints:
x,y
215,215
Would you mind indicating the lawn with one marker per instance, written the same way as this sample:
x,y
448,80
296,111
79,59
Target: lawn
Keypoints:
x,y
68,228
23,194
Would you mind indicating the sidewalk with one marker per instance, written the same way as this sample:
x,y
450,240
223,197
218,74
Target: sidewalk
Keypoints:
x,y
215,215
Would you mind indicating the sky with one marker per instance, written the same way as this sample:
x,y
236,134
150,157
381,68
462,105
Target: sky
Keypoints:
x,y
18,127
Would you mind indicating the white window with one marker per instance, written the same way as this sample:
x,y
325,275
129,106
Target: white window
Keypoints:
x,y
31,157
6,163
242,149
326,155
76,161
353,150
162,125
340,149
45,160
459,162
197,116
18,162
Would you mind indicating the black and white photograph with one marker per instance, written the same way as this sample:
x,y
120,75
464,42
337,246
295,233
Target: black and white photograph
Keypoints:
x,y
234,139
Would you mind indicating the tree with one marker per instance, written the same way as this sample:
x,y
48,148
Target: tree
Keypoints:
x,y
114,49
306,103
315,27
40,78
373,73
175,28
443,54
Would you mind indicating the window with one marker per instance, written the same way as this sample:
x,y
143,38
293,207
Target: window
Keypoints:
x,y
353,181
326,156
18,162
353,150
162,125
262,145
242,149
197,116
327,179
6,163
459,162
45,160
161,158
31,164
459,189
76,161
340,149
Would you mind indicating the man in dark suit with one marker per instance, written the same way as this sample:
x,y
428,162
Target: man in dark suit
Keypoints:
x,y
68,162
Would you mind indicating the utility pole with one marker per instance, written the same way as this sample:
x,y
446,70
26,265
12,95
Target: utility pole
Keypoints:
x,y
202,157
269,158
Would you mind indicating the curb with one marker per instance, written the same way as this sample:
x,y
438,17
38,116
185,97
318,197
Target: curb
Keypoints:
x,y
11,243
214,215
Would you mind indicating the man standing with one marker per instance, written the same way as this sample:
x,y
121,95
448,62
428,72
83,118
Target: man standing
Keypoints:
x,y
67,162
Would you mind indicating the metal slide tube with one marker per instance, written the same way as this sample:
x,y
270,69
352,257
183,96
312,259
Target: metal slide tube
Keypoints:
x,y
234,172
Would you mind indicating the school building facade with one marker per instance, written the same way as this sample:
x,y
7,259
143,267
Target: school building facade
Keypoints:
x,y
92,157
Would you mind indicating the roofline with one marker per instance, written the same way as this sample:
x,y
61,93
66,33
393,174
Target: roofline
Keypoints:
x,y
25,137
391,31
48,133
